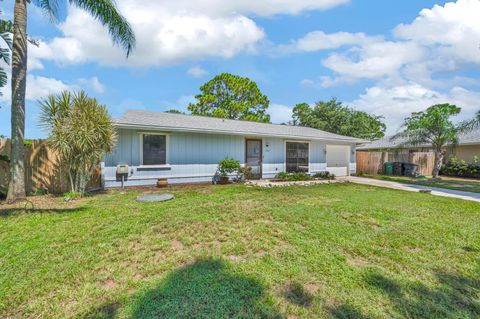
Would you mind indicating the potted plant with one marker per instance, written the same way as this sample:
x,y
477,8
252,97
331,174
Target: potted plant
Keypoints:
x,y
226,167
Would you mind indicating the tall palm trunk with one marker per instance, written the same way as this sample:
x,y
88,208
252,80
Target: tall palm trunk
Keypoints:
x,y
16,188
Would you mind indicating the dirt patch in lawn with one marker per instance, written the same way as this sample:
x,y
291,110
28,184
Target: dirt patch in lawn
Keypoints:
x,y
45,203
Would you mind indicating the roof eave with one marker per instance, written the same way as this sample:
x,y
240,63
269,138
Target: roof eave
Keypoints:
x,y
119,124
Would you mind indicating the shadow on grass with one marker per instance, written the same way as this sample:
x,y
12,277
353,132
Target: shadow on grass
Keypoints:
x,y
296,294
346,311
206,289
453,297
7,212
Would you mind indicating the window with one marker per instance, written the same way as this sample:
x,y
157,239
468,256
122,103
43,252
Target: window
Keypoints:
x,y
296,157
154,149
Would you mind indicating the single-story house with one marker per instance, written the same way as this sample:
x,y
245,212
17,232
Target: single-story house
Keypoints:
x,y
467,149
186,148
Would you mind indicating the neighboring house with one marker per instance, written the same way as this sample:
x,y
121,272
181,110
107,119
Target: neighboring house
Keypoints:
x,y
468,147
185,148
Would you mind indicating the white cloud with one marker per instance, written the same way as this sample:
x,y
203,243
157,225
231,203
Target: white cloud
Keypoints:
x,y
92,83
197,72
325,82
375,60
39,87
170,31
280,113
453,29
441,39
398,102
261,8
319,40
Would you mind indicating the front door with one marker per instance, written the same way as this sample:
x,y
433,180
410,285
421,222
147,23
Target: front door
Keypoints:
x,y
253,157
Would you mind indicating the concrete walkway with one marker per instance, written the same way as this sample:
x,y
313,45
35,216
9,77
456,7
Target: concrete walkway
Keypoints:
x,y
415,188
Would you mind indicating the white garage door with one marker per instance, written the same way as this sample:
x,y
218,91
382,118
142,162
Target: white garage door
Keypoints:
x,y
338,159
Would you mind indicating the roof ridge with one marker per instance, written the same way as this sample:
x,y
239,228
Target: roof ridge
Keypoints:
x,y
231,120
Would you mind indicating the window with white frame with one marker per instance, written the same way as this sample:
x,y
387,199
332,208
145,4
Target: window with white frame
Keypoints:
x,y
154,149
296,157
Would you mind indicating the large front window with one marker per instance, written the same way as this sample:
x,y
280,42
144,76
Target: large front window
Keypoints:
x,y
297,157
154,149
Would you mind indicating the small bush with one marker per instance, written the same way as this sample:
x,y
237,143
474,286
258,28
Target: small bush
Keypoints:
x,y
324,175
69,196
299,176
228,166
245,173
457,168
40,192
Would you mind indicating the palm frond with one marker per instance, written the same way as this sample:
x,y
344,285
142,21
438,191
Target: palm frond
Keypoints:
x,y
3,78
6,31
5,55
107,13
50,8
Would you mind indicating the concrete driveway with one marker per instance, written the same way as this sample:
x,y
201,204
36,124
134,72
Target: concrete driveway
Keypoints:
x,y
415,188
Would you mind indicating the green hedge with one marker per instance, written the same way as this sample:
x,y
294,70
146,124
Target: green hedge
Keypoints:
x,y
457,168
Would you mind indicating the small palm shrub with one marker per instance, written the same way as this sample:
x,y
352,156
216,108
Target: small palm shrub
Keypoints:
x,y
81,131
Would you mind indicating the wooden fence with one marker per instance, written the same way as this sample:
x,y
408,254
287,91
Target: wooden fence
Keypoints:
x,y
373,162
43,169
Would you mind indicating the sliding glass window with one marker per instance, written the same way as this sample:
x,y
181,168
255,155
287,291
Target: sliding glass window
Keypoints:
x,y
296,157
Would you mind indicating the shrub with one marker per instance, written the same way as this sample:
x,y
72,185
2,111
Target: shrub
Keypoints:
x,y
69,196
40,192
228,166
298,176
324,175
245,173
457,168
80,131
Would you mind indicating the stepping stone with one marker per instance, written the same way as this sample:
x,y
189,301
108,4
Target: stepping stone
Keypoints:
x,y
155,197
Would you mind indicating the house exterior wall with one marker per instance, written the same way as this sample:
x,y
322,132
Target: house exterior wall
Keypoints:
x,y
193,157
467,152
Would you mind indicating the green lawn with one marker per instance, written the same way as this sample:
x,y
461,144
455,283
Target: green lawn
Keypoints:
x,y
443,182
333,251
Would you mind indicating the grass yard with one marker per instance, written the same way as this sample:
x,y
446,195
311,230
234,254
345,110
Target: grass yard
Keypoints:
x,y
325,251
467,185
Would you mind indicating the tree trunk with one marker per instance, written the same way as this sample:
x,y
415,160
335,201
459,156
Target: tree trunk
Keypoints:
x,y
16,188
438,162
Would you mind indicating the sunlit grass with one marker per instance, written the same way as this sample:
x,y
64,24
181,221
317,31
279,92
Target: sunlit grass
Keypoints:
x,y
341,250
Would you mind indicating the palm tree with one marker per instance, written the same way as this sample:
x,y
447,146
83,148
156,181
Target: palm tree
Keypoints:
x,y
433,127
103,10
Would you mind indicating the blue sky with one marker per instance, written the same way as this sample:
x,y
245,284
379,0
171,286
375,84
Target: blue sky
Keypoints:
x,y
385,57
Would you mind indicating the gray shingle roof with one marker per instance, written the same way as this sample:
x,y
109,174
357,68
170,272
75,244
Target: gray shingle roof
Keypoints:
x,y
178,122
470,138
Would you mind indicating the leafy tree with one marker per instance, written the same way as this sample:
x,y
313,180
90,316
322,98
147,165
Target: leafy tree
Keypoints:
x,y
104,11
232,97
432,127
334,117
81,131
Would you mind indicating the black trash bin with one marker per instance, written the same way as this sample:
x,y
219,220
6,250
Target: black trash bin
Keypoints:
x,y
398,168
410,169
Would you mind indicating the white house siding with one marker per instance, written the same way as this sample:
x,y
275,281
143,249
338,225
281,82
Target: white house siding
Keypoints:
x,y
193,157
